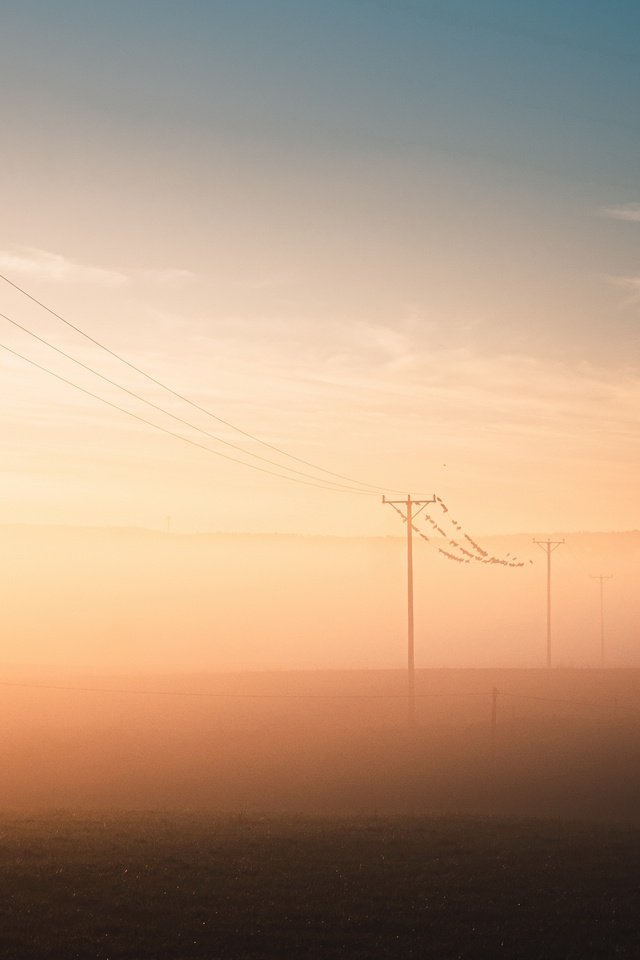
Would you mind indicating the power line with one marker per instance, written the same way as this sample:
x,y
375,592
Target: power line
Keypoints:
x,y
576,703
181,396
179,436
168,413
227,695
464,555
209,694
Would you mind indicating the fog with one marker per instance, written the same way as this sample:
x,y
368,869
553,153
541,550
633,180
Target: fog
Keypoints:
x,y
265,674
564,743
145,601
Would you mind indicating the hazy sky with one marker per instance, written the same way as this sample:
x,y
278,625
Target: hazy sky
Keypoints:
x,y
400,240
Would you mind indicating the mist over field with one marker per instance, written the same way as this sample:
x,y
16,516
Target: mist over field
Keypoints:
x,y
146,601
148,671
561,744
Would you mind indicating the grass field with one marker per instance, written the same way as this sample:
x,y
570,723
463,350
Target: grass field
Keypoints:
x,y
177,887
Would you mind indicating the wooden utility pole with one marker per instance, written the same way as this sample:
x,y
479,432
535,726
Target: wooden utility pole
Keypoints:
x,y
408,517
549,546
602,578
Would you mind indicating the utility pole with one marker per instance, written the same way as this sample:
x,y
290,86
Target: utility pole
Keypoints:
x,y
408,517
549,546
494,720
602,578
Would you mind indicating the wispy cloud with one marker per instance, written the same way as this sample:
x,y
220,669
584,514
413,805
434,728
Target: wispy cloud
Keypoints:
x,y
44,265
625,211
631,286
170,277
362,374
38,264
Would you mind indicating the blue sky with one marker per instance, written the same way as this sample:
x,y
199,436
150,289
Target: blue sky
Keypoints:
x,y
434,203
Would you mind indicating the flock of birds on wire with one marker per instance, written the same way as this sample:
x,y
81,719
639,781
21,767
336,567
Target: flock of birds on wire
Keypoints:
x,y
464,555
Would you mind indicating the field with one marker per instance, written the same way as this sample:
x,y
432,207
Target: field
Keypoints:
x,y
268,815
176,887
566,744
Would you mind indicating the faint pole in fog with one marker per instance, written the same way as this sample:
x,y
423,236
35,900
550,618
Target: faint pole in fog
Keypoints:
x,y
168,521
408,518
602,578
494,720
549,546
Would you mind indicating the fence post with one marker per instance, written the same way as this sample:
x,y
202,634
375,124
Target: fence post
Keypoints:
x,y
494,719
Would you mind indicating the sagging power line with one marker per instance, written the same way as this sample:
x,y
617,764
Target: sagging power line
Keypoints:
x,y
178,436
187,400
463,554
168,413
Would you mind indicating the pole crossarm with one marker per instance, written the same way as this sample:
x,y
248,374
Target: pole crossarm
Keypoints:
x,y
549,543
416,503
408,518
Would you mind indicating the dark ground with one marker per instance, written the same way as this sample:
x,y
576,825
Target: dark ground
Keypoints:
x,y
175,887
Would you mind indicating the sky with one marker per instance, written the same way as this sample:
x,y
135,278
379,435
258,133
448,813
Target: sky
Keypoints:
x,y
399,241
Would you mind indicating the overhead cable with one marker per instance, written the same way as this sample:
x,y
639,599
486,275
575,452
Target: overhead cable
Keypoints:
x,y
168,413
181,396
322,485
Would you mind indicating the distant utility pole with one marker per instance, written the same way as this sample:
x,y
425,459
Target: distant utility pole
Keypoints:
x,y
601,578
408,517
549,546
